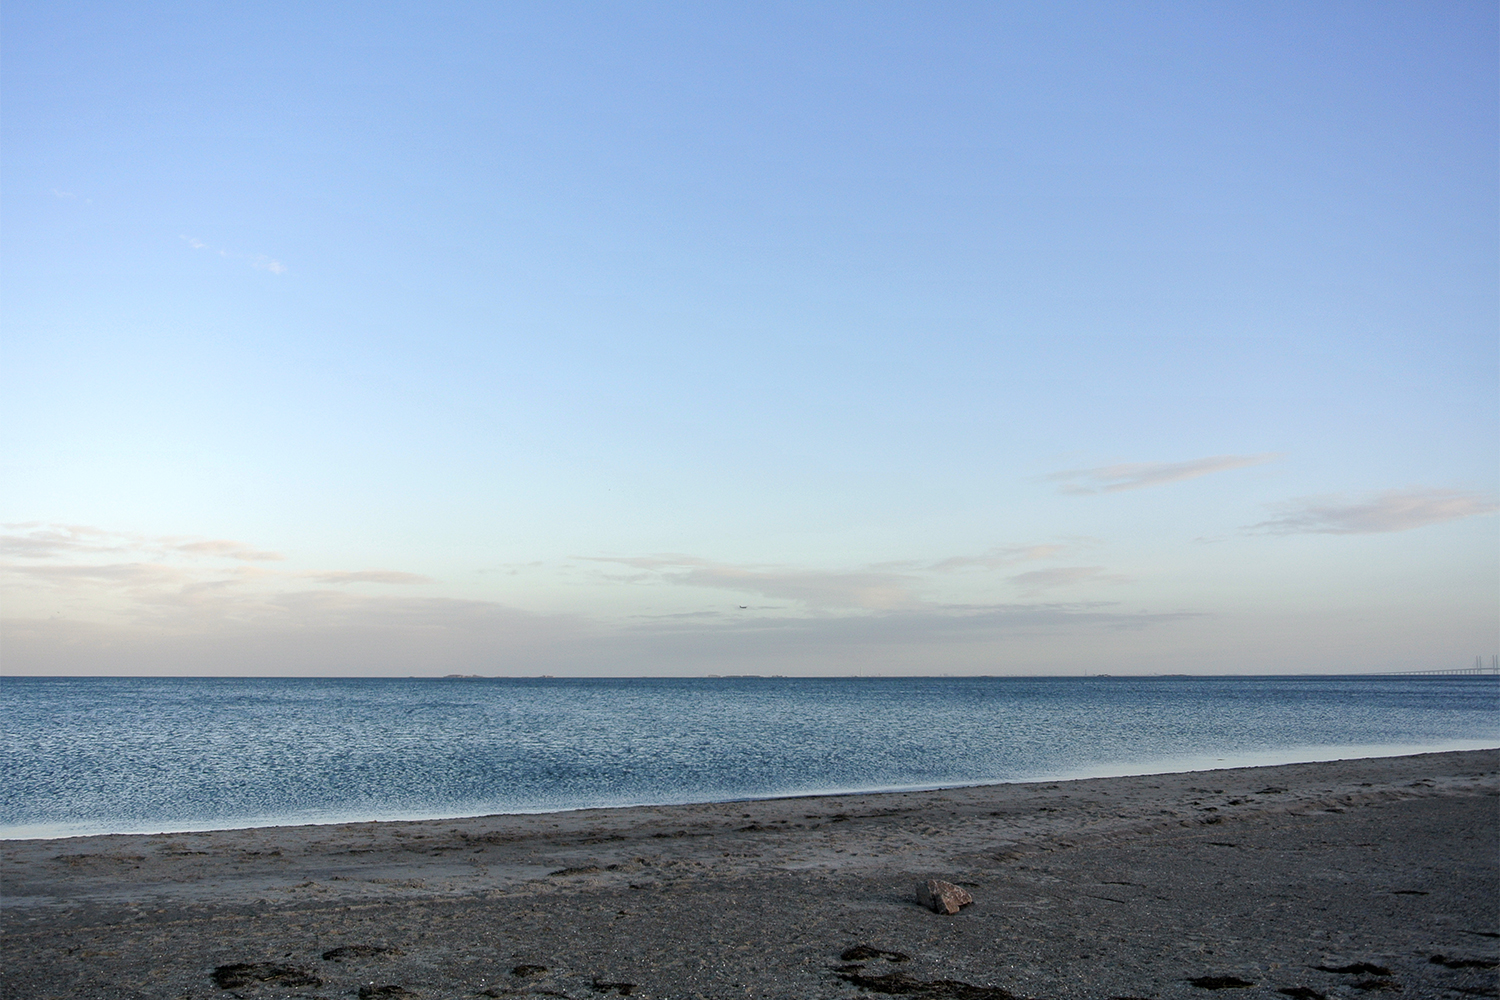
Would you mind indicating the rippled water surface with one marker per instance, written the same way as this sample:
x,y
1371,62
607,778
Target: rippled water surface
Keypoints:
x,y
131,754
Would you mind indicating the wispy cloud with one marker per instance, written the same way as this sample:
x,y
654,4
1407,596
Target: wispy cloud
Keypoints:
x,y
227,550
51,541
1139,475
949,623
163,579
369,576
1040,580
1392,510
128,575
866,589
322,632
79,597
887,586
995,558
259,260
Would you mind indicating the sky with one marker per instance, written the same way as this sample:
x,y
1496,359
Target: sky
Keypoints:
x,y
703,338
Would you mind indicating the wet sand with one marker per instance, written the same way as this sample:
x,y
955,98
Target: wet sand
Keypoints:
x,y
1162,886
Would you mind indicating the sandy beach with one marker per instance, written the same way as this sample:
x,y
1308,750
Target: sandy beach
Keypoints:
x,y
1354,878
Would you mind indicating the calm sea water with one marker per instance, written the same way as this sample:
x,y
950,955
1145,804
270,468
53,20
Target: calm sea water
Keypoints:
x,y
113,755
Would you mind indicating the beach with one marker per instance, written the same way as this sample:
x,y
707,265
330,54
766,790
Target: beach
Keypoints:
x,y
1363,877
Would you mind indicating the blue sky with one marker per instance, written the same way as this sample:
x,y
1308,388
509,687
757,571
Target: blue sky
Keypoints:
x,y
690,338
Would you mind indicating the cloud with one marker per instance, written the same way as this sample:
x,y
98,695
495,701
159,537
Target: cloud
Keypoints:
x,y
37,541
259,261
88,600
945,624
51,541
132,575
865,589
34,546
1037,581
1139,475
369,576
997,557
1392,510
84,599
310,632
162,581
229,550
325,632
886,586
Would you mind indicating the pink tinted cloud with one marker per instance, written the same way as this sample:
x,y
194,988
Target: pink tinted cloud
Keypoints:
x,y
1139,475
1392,510
368,576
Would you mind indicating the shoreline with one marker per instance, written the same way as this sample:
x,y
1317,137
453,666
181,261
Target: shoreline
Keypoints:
x,y
1163,766
1118,886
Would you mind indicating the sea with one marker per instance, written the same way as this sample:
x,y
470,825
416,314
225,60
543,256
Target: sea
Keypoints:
x,y
152,755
